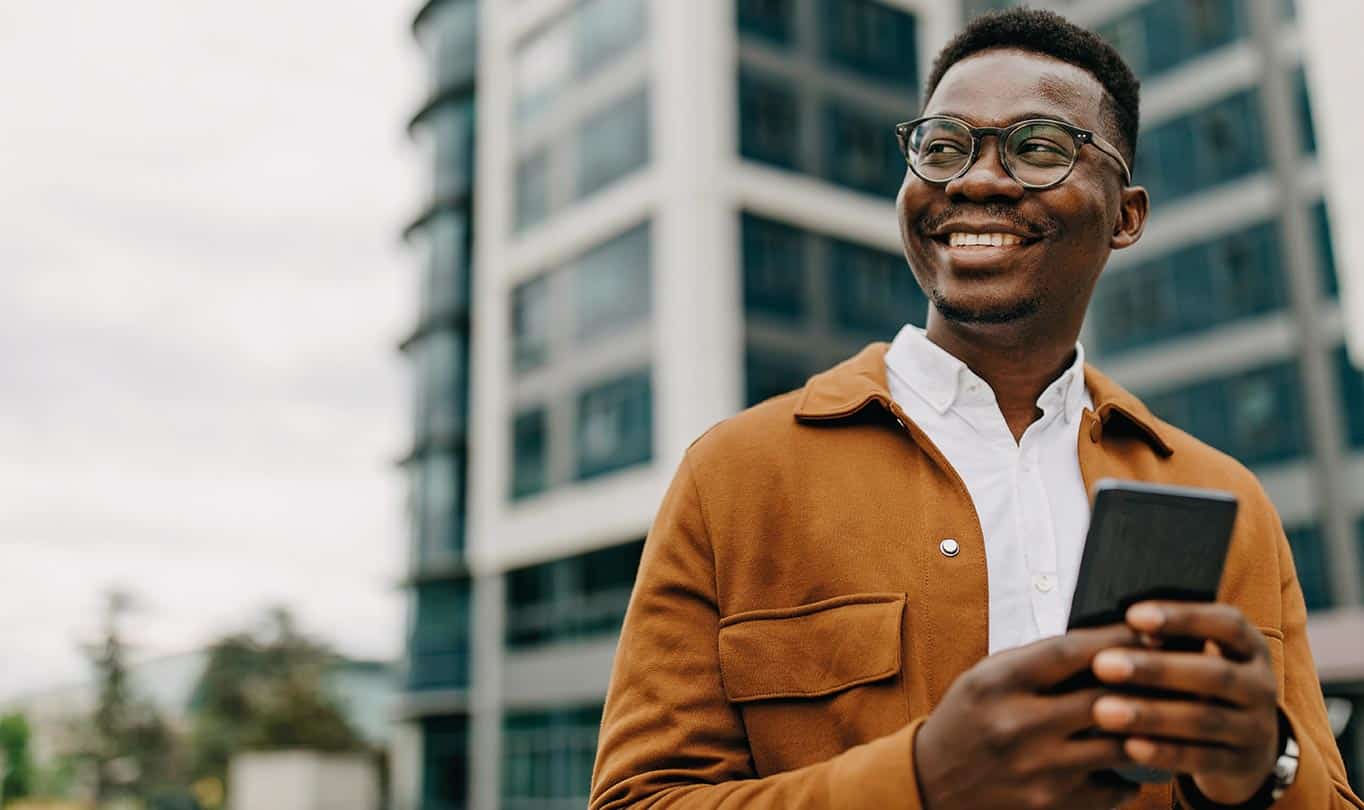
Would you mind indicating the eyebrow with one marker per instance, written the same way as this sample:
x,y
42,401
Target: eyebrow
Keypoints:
x,y
1024,116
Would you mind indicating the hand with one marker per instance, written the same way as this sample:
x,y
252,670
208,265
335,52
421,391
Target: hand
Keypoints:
x,y
998,739
1226,734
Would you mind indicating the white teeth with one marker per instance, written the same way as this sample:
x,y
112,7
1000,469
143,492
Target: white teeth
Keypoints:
x,y
959,239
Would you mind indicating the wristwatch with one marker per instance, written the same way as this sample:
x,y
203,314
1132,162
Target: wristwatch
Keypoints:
x,y
1280,777
1286,766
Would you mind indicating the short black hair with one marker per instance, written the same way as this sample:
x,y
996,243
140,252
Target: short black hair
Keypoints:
x,y
1048,33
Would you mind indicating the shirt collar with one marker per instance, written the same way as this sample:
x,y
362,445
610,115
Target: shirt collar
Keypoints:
x,y
851,386
943,381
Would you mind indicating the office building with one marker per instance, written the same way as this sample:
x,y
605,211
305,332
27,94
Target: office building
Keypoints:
x,y
684,208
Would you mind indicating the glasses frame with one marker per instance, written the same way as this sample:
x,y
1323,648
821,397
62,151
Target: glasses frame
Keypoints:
x,y
1081,136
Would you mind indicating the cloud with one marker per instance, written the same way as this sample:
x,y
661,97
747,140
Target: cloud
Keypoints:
x,y
201,286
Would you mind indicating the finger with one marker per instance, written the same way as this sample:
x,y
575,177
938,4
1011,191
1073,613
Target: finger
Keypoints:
x,y
1089,754
1220,623
1190,721
1049,661
1060,715
1192,673
1185,757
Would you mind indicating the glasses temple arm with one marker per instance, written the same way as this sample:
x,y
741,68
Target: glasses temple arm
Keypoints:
x,y
1112,151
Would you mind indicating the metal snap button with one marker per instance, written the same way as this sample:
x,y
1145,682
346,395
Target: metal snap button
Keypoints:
x,y
949,547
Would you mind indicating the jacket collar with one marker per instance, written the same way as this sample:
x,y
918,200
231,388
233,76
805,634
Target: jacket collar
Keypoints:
x,y
860,380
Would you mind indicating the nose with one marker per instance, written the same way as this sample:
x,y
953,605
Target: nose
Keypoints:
x,y
986,179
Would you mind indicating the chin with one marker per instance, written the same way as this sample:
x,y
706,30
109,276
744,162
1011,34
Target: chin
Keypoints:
x,y
962,309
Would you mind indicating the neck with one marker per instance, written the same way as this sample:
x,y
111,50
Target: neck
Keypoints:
x,y
1017,360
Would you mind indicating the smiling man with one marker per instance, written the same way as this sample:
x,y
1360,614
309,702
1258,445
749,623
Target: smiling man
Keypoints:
x,y
855,595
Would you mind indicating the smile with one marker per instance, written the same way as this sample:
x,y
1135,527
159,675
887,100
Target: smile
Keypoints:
x,y
961,239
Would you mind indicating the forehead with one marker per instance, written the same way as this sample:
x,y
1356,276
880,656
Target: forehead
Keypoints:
x,y
1000,86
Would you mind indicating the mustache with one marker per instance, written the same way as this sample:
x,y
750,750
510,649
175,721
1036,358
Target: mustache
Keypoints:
x,y
931,223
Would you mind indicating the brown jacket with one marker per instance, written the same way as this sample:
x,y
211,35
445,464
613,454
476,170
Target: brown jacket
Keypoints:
x,y
793,620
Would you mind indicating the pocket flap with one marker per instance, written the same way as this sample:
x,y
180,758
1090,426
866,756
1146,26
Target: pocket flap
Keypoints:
x,y
811,650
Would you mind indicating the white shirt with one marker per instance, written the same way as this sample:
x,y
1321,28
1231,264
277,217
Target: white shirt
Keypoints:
x,y
1029,494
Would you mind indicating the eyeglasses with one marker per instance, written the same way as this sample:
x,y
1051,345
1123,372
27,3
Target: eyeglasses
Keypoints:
x,y
1038,153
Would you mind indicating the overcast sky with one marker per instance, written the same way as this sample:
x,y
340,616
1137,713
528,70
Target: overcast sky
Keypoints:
x,y
201,288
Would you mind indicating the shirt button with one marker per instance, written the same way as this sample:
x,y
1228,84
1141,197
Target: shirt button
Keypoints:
x,y
949,547
1044,583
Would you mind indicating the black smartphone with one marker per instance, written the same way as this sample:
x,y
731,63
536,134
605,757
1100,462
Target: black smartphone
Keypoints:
x,y
1150,541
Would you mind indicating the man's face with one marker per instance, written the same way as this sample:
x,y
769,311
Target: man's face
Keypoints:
x,y
1067,231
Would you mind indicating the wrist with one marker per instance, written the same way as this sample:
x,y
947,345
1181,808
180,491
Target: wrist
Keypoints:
x,y
1267,790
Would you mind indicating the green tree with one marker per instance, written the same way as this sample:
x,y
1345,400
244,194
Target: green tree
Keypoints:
x,y
266,689
131,747
15,762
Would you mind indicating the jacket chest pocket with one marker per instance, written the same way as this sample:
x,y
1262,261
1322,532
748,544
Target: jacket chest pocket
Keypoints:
x,y
814,680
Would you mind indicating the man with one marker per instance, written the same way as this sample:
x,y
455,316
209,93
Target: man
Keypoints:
x,y
855,595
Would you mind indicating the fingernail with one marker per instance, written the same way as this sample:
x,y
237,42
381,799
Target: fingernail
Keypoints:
x,y
1146,616
1113,712
1139,749
1113,664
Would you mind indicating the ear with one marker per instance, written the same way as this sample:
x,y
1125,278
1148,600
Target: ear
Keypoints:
x,y
1133,206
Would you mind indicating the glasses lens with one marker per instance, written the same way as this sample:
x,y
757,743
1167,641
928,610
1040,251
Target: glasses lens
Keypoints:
x,y
1040,154
938,148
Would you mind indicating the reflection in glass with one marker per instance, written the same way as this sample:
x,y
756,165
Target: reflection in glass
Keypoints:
x,y
613,286
613,143
531,323
615,425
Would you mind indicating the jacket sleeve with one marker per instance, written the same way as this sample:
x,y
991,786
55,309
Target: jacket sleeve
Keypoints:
x,y
669,736
1321,781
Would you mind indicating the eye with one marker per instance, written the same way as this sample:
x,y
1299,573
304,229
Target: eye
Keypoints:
x,y
944,148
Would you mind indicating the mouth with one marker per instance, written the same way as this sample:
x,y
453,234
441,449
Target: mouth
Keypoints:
x,y
968,241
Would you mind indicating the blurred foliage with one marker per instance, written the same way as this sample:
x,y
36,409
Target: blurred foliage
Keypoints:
x,y
266,690
15,762
133,753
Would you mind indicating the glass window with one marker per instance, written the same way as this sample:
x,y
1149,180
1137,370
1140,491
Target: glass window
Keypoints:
x,y
1307,133
530,319
774,268
1210,24
1199,287
772,20
445,762
532,190
1352,397
860,150
615,425
768,374
438,488
613,285
873,292
441,385
1134,306
1326,253
1127,35
872,39
1309,558
572,48
547,757
453,124
613,143
544,65
1246,272
456,44
769,120
1255,415
447,276
572,597
530,447
605,29
1227,136
438,647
